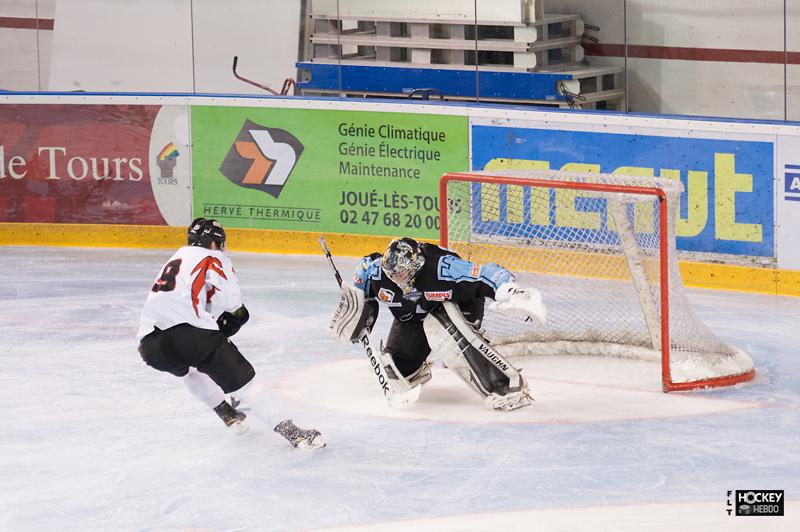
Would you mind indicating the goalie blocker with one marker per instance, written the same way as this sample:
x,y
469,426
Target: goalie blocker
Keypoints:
x,y
354,317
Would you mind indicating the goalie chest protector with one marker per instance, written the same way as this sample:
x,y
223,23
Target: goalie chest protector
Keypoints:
x,y
443,277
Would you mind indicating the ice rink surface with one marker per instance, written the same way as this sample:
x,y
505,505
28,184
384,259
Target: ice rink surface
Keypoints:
x,y
91,439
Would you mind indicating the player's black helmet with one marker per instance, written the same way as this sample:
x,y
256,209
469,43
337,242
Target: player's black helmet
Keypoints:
x,y
203,232
401,262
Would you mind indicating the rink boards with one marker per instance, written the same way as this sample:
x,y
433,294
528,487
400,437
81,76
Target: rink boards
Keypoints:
x,y
133,170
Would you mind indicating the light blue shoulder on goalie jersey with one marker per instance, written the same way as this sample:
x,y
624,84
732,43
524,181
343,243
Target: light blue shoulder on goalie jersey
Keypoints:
x,y
366,268
454,269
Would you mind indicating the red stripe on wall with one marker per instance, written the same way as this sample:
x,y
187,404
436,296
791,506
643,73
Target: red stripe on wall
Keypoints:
x,y
726,55
27,23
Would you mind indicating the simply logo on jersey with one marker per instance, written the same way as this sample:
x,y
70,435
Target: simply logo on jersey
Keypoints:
x,y
385,295
791,182
438,296
262,158
756,502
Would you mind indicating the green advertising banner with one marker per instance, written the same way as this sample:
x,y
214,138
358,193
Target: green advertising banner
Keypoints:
x,y
328,171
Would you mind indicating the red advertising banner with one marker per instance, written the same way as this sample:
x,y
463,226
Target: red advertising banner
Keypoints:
x,y
82,164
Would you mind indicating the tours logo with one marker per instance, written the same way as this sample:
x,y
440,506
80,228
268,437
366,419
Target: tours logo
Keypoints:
x,y
166,161
262,158
755,502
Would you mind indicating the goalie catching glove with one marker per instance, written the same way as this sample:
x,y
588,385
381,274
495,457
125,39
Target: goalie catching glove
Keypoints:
x,y
516,300
354,317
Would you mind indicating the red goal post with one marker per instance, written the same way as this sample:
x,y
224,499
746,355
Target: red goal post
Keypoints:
x,y
653,273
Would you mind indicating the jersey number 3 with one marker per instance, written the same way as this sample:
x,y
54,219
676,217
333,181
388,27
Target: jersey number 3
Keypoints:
x,y
166,283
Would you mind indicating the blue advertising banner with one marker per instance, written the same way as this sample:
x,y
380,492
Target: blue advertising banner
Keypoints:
x,y
727,205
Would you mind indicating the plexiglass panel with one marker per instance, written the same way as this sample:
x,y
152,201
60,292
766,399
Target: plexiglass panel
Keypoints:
x,y
142,46
411,49
710,57
263,35
724,58
555,53
25,44
793,60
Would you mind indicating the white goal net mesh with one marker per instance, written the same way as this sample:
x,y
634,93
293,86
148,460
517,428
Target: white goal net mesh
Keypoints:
x,y
595,257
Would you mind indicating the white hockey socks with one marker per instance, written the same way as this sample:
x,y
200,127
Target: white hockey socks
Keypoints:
x,y
261,404
266,407
203,387
207,391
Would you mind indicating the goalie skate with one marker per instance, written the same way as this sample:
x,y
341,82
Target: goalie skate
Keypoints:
x,y
421,376
300,438
509,401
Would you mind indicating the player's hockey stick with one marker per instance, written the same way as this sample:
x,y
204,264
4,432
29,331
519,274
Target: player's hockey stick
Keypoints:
x,y
396,392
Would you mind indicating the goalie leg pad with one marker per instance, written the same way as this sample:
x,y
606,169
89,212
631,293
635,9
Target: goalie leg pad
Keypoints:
x,y
354,316
467,353
397,390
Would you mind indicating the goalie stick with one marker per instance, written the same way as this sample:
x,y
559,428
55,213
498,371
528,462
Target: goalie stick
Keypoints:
x,y
394,392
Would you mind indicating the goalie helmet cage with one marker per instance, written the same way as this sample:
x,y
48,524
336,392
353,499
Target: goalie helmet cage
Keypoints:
x,y
601,248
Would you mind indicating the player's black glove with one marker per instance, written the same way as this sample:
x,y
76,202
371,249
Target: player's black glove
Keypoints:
x,y
230,322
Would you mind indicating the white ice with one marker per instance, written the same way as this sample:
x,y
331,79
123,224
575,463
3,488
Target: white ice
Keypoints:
x,y
91,439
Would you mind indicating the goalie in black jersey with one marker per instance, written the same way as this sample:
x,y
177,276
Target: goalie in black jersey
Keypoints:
x,y
437,300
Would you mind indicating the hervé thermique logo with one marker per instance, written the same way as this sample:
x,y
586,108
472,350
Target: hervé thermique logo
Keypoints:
x,y
262,158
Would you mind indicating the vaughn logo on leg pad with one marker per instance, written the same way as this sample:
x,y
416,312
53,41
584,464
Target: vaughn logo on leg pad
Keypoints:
x,y
262,158
756,502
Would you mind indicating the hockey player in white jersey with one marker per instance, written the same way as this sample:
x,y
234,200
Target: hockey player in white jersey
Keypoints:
x,y
193,307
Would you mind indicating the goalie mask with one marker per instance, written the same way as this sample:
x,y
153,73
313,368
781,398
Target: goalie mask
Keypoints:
x,y
203,232
402,261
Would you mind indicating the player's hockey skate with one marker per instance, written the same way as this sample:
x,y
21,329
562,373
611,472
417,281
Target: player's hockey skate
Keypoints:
x,y
300,438
235,419
509,401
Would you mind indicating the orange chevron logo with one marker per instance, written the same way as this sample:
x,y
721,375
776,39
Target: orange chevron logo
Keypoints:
x,y
262,158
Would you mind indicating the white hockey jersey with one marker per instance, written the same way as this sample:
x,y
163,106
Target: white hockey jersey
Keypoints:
x,y
195,286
